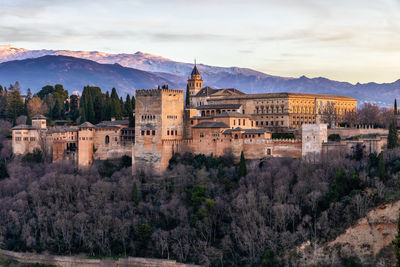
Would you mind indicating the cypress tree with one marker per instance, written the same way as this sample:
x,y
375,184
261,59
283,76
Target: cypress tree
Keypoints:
x,y
242,166
392,136
381,167
128,106
395,107
133,103
115,105
187,96
396,243
28,119
90,116
135,194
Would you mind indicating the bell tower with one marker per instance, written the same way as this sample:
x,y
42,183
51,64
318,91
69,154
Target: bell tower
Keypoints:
x,y
195,82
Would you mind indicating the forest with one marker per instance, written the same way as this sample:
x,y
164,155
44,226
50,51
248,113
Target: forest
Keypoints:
x,y
202,210
57,105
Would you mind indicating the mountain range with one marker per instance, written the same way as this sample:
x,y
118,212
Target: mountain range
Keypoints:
x,y
128,72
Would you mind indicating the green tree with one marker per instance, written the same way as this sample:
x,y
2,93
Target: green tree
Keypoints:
x,y
90,111
392,136
28,119
135,194
15,105
396,243
187,96
382,167
242,166
128,106
395,107
115,105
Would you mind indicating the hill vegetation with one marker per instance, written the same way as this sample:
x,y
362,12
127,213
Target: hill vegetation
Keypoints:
x,y
203,210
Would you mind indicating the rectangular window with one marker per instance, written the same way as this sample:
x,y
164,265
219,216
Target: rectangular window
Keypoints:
x,y
153,132
142,132
172,132
167,132
201,135
148,132
239,121
176,132
244,122
256,123
234,122
17,138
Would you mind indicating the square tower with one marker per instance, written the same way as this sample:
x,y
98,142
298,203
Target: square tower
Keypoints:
x,y
158,117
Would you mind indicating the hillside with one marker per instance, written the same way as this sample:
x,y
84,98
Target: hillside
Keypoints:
x,y
370,239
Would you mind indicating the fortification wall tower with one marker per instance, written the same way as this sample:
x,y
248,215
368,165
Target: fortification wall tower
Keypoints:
x,y
159,116
85,144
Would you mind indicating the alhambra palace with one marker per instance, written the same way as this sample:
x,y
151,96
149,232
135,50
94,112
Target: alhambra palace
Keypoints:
x,y
217,122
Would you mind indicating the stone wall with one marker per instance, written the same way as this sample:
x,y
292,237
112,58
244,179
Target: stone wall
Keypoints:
x,y
72,261
349,132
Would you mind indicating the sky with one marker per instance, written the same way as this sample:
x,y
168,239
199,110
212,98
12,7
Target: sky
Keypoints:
x,y
344,40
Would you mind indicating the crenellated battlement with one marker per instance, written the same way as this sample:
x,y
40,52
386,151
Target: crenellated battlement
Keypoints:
x,y
157,92
148,92
286,140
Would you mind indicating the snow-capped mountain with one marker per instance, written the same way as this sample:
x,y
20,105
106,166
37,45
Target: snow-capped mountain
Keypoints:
x,y
123,72
138,60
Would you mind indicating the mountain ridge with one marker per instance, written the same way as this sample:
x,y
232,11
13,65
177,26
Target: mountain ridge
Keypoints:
x,y
175,74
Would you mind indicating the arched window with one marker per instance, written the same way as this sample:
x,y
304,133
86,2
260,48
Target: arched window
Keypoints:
x,y
107,141
236,136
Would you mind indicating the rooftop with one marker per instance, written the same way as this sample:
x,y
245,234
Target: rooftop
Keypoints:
x,y
24,127
62,130
86,125
284,95
39,117
195,71
232,114
211,124
220,106
206,91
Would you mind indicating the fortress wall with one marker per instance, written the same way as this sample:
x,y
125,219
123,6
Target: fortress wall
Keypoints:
x,y
114,148
69,261
286,148
349,132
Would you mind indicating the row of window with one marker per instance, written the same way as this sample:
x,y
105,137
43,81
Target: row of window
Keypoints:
x,y
244,122
25,139
269,123
148,132
85,138
262,110
172,132
172,117
148,117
